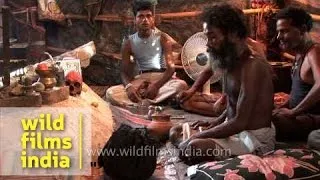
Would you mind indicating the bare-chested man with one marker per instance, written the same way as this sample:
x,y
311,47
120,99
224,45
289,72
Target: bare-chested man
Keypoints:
x,y
301,114
245,126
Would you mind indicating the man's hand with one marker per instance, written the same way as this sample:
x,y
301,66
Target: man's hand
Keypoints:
x,y
133,95
205,124
198,124
185,95
152,91
283,112
184,145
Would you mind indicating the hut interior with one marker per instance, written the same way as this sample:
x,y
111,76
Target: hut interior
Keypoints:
x,y
89,34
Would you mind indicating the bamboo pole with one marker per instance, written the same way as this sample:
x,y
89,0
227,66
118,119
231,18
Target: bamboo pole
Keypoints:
x,y
169,16
117,18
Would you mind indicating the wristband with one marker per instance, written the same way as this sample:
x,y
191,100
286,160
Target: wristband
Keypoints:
x,y
127,86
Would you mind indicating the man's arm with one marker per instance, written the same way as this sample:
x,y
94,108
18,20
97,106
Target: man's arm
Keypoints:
x,y
126,72
127,66
246,100
201,80
219,119
153,89
204,76
170,69
313,96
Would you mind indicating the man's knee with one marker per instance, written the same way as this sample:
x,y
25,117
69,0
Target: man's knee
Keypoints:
x,y
203,149
284,123
314,139
200,145
183,85
193,148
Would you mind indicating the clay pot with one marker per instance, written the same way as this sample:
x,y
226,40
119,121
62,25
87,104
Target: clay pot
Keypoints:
x,y
160,125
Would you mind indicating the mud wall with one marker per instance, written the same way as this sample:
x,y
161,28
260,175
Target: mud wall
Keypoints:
x,y
108,36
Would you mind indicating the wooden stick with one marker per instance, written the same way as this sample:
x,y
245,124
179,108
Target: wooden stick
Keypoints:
x,y
112,55
206,87
6,44
180,15
315,17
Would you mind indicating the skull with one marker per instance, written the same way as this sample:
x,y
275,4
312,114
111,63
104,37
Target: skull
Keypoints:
x,y
74,81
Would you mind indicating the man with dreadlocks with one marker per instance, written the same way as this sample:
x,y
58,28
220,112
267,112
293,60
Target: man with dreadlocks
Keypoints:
x,y
245,125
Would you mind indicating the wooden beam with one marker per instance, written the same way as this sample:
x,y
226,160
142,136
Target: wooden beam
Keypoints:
x,y
168,16
58,50
6,45
14,5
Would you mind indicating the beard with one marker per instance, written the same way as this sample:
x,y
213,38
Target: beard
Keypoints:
x,y
226,56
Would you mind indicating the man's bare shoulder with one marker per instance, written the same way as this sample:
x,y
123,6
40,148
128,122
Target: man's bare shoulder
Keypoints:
x,y
257,68
315,50
257,63
313,56
316,46
165,36
262,63
126,45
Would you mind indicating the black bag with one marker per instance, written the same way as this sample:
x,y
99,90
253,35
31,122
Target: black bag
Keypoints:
x,y
130,154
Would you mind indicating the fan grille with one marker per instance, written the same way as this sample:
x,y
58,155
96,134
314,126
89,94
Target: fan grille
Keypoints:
x,y
195,45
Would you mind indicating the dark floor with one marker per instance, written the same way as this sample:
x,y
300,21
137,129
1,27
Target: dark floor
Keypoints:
x,y
169,166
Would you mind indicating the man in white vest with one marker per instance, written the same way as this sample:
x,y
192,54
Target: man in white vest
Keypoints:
x,y
151,50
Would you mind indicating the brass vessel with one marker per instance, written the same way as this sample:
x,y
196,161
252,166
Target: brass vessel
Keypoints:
x,y
47,77
160,125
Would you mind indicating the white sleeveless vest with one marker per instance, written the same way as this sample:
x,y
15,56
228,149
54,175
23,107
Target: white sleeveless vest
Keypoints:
x,y
147,52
